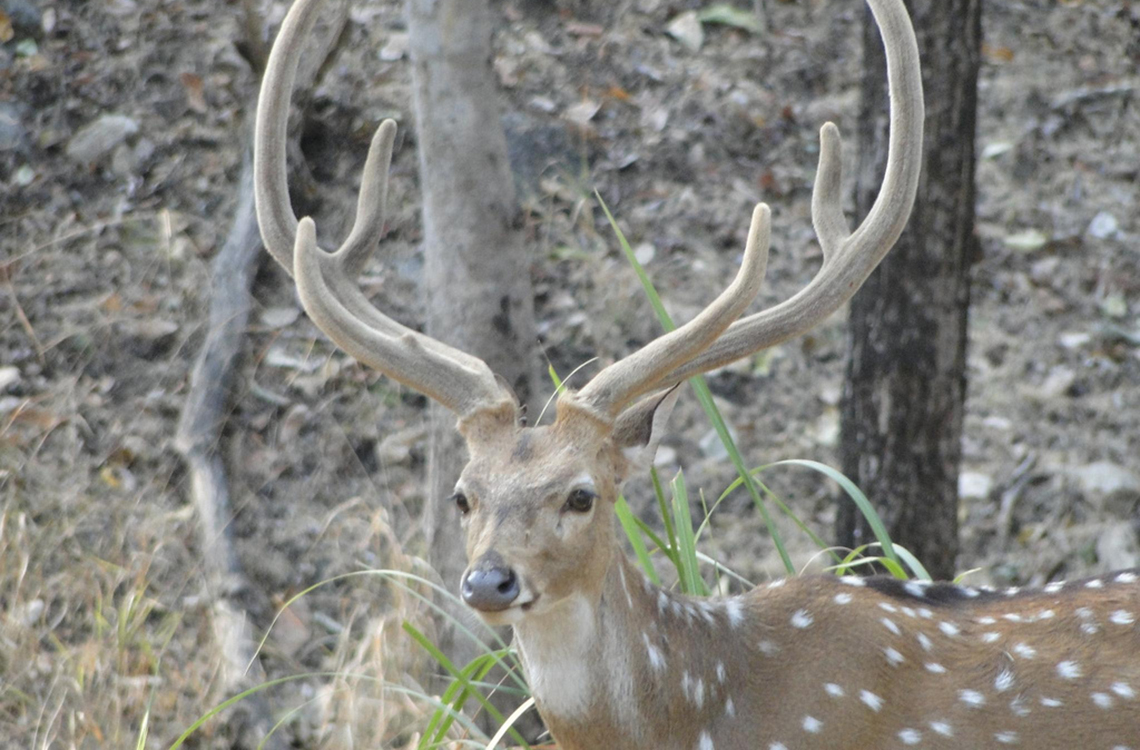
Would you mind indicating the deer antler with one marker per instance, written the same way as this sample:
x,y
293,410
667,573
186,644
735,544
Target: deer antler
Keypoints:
x,y
612,389
326,281
849,257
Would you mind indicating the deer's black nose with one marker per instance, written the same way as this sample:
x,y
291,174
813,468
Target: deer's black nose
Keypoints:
x,y
489,584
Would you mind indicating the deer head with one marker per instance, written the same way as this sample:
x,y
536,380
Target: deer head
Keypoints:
x,y
536,501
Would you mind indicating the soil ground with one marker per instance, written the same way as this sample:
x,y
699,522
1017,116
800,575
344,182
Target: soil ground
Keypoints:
x,y
104,256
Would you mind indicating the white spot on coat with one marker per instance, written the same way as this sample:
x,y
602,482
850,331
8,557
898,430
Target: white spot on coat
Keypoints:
x,y
942,728
914,588
621,575
812,725
1006,738
874,702
1127,578
1122,617
1051,702
835,691
925,642
935,668
843,598
893,656
1024,650
768,648
888,607
1103,700
656,660
972,698
949,628
802,619
735,611
705,742
1124,690
729,708
991,637
1069,670
910,736
853,581
889,625
1095,583
1054,587
1004,681
721,674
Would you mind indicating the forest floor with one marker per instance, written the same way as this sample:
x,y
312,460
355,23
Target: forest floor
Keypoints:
x,y
121,130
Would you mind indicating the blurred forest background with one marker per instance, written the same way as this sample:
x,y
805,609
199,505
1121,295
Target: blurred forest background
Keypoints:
x,y
122,127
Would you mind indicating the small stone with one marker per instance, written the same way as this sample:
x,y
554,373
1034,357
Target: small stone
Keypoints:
x,y
279,317
712,447
974,485
1104,226
582,112
99,138
686,29
1027,241
1057,383
1118,546
395,48
666,457
644,253
1104,478
827,428
9,375
1074,339
13,134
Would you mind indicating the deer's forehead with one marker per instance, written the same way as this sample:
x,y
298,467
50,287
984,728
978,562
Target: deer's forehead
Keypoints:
x,y
524,487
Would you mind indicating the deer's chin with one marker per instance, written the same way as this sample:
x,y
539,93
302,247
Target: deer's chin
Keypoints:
x,y
512,615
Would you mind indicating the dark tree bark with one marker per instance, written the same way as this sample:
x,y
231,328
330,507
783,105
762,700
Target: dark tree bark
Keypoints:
x,y
477,268
905,385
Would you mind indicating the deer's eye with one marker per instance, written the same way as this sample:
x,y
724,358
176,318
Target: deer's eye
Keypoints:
x,y
461,502
580,501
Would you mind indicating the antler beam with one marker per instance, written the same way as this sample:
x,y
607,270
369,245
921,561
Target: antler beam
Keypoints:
x,y
326,281
848,257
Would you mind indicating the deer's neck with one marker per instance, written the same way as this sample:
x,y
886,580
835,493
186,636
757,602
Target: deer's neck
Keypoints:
x,y
611,668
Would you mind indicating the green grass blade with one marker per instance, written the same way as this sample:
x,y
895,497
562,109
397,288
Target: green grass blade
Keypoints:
x,y
688,571
912,562
704,396
457,673
633,533
663,506
857,496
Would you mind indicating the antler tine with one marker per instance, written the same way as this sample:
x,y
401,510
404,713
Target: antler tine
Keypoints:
x,y
612,389
326,281
849,257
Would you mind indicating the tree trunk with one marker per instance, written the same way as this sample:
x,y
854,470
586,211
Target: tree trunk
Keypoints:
x,y
905,386
477,269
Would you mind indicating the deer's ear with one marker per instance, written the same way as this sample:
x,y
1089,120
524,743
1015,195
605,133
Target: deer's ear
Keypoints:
x,y
639,430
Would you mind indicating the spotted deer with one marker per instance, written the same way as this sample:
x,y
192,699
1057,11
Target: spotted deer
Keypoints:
x,y
617,662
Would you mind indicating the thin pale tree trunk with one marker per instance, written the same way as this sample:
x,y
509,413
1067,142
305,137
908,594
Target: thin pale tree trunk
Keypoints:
x,y
477,268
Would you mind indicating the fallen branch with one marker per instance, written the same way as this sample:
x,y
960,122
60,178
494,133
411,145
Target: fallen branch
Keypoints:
x,y
199,435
